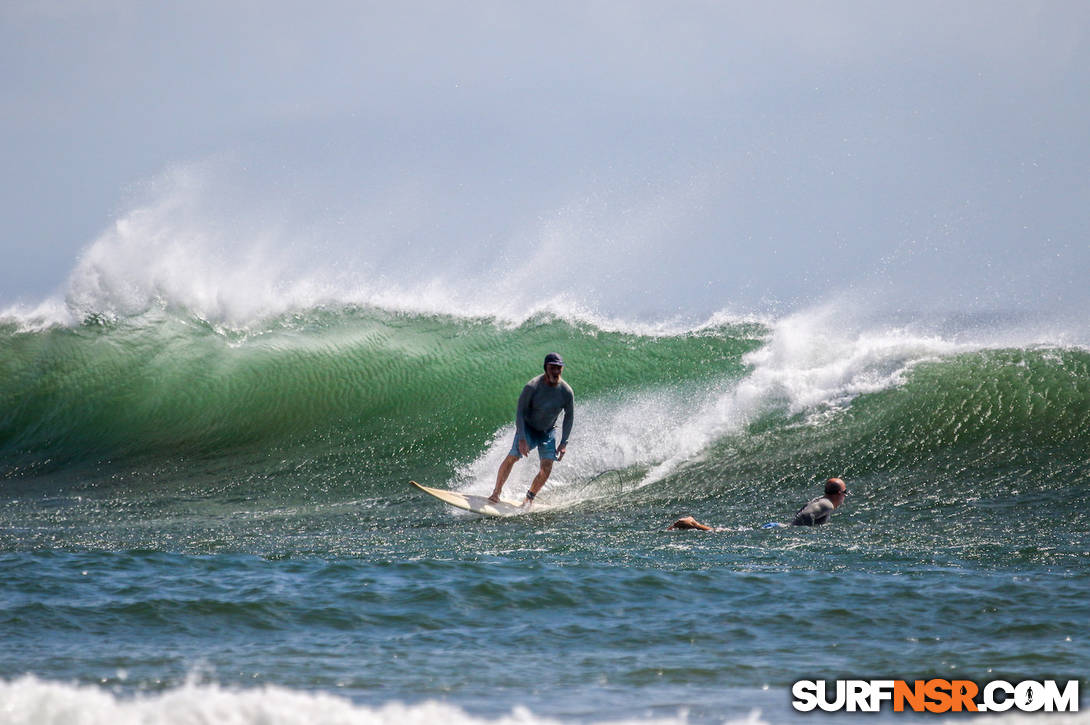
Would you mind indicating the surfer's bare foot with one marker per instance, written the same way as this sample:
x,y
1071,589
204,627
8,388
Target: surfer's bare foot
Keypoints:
x,y
494,498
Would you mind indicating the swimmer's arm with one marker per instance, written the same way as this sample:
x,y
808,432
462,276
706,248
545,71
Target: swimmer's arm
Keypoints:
x,y
688,522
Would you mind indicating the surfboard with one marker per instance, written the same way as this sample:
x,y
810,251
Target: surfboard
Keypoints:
x,y
471,502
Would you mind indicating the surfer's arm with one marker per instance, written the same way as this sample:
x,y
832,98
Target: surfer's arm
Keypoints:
x,y
569,421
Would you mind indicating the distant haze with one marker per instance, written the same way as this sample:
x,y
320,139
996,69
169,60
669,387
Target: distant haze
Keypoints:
x,y
646,159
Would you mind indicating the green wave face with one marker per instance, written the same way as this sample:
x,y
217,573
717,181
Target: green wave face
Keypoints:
x,y
1002,415
390,391
339,402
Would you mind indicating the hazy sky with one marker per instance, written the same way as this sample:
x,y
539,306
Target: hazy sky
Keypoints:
x,y
696,154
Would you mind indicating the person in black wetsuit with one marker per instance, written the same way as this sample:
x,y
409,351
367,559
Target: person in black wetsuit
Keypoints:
x,y
815,513
542,401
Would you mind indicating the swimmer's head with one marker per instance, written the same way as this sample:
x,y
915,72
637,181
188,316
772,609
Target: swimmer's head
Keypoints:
x,y
836,487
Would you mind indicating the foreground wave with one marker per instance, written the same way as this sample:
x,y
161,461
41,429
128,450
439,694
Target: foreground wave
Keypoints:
x,y
169,385
364,398
184,497
31,701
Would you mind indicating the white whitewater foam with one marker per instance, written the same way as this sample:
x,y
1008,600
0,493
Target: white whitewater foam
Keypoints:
x,y
203,243
200,240
814,363
237,273
31,701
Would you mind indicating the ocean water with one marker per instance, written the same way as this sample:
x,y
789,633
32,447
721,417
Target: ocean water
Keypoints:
x,y
209,521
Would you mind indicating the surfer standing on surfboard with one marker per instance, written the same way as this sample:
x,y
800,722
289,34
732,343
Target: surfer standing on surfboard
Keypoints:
x,y
540,404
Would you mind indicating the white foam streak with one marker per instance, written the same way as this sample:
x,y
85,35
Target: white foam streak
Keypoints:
x,y
30,701
51,312
813,364
815,358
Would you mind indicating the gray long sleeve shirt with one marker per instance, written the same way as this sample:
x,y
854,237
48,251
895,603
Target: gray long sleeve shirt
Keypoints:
x,y
540,404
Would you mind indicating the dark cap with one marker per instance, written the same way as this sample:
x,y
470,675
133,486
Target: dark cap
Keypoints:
x,y
554,359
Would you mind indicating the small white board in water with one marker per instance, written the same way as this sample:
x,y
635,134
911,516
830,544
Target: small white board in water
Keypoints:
x,y
471,502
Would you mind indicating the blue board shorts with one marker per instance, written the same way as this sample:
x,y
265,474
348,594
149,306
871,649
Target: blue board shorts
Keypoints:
x,y
543,441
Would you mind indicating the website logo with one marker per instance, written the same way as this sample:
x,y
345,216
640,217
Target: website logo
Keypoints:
x,y
935,695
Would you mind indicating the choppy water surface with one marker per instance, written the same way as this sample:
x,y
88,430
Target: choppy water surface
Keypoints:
x,y
193,515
